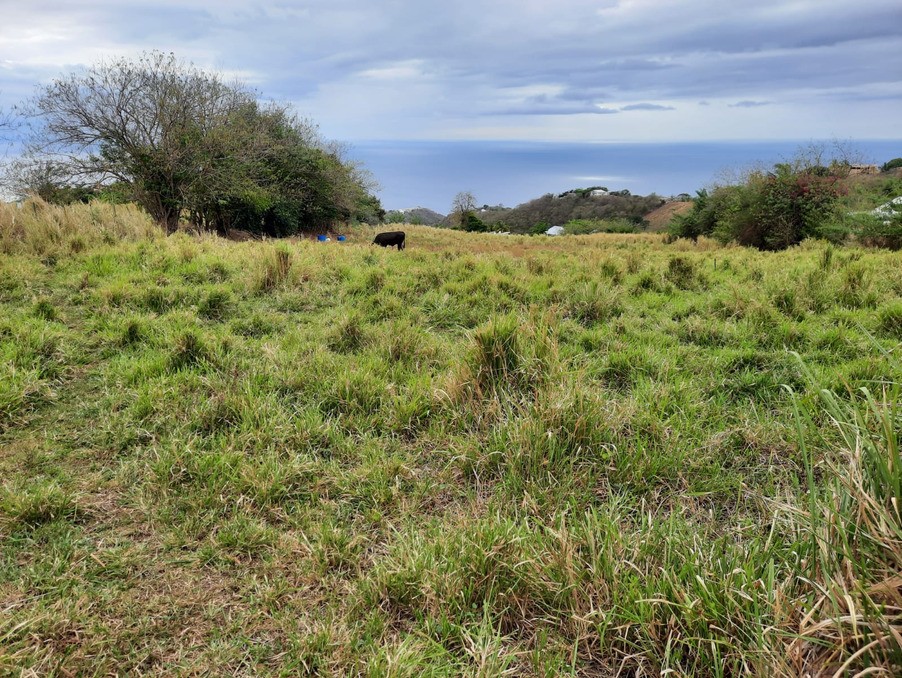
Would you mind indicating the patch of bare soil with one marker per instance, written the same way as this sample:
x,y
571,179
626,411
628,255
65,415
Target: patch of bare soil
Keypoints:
x,y
659,218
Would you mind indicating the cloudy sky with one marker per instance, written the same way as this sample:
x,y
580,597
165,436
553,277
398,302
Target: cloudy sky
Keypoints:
x,y
588,70
379,73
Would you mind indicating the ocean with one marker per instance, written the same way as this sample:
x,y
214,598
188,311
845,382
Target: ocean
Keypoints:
x,y
430,173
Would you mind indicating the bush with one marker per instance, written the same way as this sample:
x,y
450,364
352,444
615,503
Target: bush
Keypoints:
x,y
891,164
474,224
876,231
770,211
707,209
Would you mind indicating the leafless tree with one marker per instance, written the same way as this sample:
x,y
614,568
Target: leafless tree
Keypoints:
x,y
463,206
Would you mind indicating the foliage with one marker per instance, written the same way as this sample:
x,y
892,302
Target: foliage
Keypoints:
x,y
188,145
772,210
891,164
474,224
539,228
463,212
882,230
574,205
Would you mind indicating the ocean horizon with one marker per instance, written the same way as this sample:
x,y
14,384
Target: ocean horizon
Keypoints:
x,y
430,173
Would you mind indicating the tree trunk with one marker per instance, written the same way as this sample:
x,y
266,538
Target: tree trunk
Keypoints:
x,y
171,222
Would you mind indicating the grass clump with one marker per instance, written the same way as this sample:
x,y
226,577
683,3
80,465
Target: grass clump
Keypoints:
x,y
349,335
683,273
890,318
591,303
133,333
508,361
215,305
34,505
44,309
189,351
276,267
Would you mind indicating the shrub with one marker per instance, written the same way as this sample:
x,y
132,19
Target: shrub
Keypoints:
x,y
771,211
475,225
885,231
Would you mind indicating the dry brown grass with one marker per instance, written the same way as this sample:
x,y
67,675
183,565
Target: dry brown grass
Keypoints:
x,y
37,227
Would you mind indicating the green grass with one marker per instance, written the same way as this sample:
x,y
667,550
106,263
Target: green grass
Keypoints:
x,y
481,456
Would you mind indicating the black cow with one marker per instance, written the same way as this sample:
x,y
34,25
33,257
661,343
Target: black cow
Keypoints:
x,y
390,239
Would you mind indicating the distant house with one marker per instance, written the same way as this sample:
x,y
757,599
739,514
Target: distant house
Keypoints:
x,y
863,169
888,209
555,230
598,192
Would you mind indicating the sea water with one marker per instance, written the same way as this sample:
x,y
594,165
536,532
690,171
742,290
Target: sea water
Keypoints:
x,y
430,173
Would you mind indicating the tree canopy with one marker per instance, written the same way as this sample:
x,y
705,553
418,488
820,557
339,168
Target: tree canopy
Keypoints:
x,y
190,146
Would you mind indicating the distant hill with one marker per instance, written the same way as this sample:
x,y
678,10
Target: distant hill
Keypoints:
x,y
416,215
582,203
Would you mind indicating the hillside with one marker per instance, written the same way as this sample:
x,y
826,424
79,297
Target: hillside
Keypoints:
x,y
481,456
659,218
422,216
554,210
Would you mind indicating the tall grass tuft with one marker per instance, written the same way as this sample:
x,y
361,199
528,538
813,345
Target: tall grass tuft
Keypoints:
x,y
276,268
853,525
188,352
683,273
890,320
509,361
592,302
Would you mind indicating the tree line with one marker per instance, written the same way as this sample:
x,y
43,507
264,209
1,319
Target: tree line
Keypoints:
x,y
186,146
537,215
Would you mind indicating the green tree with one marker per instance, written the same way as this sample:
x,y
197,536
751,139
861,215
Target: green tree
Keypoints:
x,y
191,146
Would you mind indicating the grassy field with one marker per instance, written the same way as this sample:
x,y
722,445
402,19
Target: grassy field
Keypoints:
x,y
485,455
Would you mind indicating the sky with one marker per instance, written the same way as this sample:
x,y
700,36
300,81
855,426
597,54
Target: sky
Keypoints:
x,y
582,71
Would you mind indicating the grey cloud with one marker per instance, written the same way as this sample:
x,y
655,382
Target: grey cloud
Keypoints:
x,y
553,109
750,104
647,107
694,51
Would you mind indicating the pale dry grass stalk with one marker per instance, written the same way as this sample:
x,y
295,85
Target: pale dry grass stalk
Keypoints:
x,y
37,227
